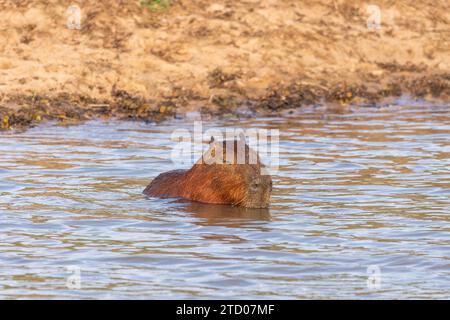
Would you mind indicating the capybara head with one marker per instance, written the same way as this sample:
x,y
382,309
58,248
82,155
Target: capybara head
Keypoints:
x,y
230,172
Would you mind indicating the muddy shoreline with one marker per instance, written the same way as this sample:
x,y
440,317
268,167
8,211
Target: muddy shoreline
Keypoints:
x,y
24,111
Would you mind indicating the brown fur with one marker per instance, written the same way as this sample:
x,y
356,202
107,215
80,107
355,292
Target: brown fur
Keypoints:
x,y
227,182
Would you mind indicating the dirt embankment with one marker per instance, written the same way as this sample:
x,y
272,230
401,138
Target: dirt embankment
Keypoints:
x,y
142,60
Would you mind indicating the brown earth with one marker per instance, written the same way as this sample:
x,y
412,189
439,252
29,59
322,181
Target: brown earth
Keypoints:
x,y
141,60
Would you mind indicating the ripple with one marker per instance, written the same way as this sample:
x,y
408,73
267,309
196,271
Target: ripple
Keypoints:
x,y
353,190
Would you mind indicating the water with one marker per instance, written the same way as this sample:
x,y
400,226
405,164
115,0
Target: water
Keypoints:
x,y
355,193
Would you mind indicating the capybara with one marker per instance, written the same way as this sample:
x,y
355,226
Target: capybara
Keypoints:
x,y
225,174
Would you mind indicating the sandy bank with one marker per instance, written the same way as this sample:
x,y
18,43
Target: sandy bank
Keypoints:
x,y
138,61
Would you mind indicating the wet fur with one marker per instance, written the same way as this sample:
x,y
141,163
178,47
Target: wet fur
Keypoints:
x,y
216,183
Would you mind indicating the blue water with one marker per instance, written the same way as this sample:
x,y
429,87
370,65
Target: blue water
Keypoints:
x,y
355,192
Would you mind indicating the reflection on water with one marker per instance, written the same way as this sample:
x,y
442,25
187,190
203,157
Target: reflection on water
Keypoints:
x,y
226,215
354,190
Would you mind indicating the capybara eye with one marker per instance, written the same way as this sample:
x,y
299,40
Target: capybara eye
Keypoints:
x,y
254,185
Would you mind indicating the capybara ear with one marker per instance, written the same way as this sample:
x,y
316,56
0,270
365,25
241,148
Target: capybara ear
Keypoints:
x,y
242,137
212,140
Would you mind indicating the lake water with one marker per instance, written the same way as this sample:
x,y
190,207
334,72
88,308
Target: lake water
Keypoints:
x,y
360,209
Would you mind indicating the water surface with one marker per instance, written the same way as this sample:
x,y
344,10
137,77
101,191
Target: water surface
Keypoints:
x,y
369,189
